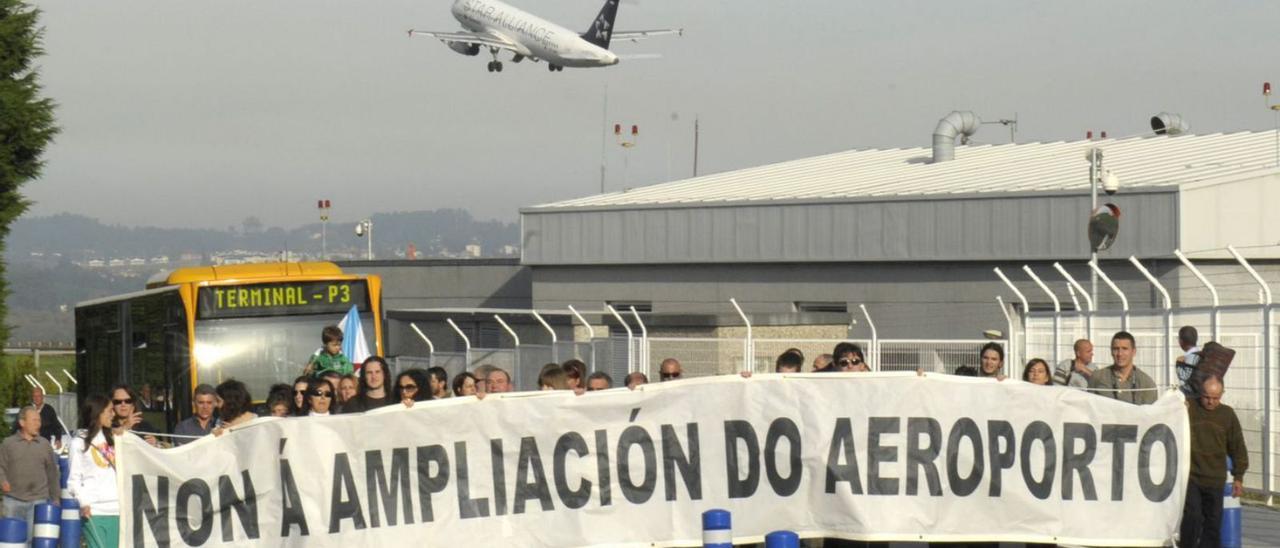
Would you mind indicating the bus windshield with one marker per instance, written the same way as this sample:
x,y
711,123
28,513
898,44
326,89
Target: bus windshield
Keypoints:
x,y
263,351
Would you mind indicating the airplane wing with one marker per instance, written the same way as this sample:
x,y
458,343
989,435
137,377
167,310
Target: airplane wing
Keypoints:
x,y
487,40
638,35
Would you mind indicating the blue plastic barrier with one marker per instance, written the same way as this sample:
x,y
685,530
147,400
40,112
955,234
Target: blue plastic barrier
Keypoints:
x,y
1232,532
70,523
717,530
13,533
64,472
45,532
782,539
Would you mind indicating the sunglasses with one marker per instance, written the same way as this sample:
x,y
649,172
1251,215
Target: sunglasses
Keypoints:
x,y
299,391
409,387
847,361
675,375
126,401
322,394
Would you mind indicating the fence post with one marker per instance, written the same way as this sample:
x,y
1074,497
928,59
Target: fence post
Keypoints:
x,y
630,336
1267,438
1088,300
875,339
1213,291
749,349
1169,374
465,341
1057,311
1124,301
69,377
1008,320
55,382
1026,310
431,348
555,355
591,335
644,340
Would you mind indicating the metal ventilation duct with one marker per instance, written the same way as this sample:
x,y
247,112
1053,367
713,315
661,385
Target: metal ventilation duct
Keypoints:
x,y
1168,123
957,124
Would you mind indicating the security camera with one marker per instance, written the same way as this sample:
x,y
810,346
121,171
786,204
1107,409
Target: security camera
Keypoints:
x,y
1110,183
360,226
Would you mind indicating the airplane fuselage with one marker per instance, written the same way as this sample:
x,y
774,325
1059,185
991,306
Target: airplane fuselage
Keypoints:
x,y
539,38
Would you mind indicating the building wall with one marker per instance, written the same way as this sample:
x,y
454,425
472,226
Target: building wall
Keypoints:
x,y
978,227
487,283
1239,213
905,300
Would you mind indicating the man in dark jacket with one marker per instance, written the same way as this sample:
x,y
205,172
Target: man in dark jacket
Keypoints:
x,y
50,427
1215,435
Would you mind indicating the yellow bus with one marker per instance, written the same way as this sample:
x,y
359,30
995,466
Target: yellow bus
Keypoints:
x,y
257,323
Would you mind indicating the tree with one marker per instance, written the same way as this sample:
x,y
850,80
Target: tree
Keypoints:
x,y
26,118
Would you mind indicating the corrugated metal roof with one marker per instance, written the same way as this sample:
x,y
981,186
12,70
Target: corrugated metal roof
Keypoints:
x,y
1145,161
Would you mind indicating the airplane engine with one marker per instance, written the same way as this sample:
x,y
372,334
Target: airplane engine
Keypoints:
x,y
465,48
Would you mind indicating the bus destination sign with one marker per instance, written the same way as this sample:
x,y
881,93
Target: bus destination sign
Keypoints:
x,y
281,299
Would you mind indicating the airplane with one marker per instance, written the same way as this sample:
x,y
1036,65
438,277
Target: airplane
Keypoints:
x,y
498,26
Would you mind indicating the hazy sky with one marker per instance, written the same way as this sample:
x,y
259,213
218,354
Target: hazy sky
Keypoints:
x,y
201,113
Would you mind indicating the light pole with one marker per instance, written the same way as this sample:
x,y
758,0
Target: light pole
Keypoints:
x,y
323,206
626,145
1275,117
364,229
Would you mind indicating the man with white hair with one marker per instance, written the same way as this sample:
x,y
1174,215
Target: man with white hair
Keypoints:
x,y
28,474
51,428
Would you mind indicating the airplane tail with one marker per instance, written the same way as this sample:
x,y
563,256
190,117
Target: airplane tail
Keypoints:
x,y
602,28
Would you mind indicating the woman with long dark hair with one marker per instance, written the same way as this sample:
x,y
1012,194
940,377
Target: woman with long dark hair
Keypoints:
x,y
93,472
237,405
412,385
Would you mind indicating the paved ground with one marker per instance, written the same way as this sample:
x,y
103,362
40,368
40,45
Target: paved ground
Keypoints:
x,y
1261,526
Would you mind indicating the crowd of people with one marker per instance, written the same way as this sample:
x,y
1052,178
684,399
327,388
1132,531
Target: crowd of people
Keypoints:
x,y
331,384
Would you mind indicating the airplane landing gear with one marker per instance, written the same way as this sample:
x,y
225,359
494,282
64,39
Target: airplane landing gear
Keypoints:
x,y
554,68
495,65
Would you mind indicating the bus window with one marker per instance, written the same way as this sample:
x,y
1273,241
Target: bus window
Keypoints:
x,y
151,317
262,351
98,352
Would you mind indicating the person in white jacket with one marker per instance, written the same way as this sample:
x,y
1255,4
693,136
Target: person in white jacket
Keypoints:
x,y
93,473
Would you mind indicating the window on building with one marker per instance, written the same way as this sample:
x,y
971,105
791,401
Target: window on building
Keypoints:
x,y
821,306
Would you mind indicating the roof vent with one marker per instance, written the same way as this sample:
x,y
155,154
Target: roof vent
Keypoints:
x,y
1168,123
957,124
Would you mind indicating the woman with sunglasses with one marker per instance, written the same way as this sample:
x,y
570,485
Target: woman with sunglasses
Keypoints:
x,y
413,385
320,398
127,417
300,387
848,357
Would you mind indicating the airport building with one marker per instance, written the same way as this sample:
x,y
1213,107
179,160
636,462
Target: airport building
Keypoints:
x,y
912,234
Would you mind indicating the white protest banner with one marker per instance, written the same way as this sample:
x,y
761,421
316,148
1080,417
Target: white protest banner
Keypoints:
x,y
861,456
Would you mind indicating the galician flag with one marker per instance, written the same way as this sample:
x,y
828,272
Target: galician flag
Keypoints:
x,y
354,345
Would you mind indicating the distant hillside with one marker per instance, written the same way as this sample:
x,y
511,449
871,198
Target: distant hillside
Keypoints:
x,y
78,238
45,281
